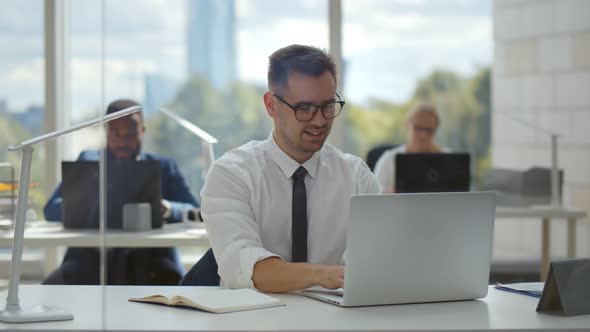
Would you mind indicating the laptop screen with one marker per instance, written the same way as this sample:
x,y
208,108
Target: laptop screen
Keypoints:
x,y
127,181
432,172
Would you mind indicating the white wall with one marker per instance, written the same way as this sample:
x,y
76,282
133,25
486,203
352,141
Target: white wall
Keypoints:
x,y
541,75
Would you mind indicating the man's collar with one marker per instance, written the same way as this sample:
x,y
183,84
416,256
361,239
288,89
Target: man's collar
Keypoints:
x,y
111,156
287,164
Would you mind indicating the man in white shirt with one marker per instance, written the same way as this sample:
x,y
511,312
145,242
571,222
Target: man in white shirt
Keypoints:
x,y
276,210
422,125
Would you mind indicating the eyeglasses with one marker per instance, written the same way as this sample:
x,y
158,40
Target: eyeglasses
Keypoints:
x,y
425,130
306,112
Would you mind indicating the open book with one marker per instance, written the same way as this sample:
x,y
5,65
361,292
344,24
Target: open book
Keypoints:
x,y
216,300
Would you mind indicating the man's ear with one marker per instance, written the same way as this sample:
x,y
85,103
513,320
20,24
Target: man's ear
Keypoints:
x,y
270,104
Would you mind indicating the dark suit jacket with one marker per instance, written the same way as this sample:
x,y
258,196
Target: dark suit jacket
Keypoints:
x,y
126,265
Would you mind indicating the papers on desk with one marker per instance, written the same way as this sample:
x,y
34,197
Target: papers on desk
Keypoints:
x,y
7,224
534,289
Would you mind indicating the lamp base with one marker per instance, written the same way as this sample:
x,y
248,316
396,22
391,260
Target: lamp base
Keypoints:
x,y
41,313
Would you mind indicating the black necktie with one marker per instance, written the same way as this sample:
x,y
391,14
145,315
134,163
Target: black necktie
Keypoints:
x,y
299,217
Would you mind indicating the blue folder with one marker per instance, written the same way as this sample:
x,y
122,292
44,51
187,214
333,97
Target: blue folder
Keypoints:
x,y
534,289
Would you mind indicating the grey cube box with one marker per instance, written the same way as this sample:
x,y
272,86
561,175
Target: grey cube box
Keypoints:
x,y
137,217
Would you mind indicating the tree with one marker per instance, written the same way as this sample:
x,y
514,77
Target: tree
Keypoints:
x,y
378,123
464,106
233,116
236,115
11,132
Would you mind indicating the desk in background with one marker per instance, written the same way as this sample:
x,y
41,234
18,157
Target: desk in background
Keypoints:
x,y
49,236
500,311
546,214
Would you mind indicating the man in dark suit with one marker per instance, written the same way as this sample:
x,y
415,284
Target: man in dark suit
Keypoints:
x,y
135,266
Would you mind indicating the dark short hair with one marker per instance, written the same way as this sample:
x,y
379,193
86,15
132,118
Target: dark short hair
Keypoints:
x,y
307,60
121,104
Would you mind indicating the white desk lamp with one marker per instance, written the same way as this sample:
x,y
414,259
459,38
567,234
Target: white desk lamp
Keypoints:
x,y
13,313
555,201
207,139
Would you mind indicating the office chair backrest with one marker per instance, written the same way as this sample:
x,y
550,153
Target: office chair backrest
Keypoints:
x,y
203,273
375,153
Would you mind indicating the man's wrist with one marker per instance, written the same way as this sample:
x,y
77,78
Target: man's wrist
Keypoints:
x,y
313,273
167,209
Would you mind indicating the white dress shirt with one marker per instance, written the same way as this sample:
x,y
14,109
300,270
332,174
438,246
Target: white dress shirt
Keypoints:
x,y
385,168
246,204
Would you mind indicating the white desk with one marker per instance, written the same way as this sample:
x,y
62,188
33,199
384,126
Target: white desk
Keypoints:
x,y
46,234
546,214
49,236
500,311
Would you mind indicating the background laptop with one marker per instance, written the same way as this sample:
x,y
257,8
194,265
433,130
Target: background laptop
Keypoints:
x,y
128,181
410,248
432,172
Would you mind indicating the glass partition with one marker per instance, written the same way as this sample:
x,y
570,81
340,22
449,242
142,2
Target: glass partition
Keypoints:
x,y
202,61
22,117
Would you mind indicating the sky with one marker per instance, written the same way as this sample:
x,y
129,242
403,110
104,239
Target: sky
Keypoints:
x,y
387,44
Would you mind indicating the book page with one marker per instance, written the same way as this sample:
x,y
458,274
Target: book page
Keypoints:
x,y
161,299
226,300
216,300
183,301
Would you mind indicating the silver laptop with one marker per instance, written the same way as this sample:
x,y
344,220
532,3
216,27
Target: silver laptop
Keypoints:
x,y
411,248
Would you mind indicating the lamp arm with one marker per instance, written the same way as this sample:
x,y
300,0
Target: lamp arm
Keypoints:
x,y
209,157
555,193
189,126
12,303
55,134
207,140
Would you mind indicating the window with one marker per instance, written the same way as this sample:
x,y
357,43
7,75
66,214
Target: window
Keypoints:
x,y
21,98
203,60
399,52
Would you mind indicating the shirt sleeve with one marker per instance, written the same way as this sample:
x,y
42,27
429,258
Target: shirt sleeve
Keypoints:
x,y
52,209
232,230
368,183
175,191
384,171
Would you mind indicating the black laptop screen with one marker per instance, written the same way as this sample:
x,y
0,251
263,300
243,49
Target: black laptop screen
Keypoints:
x,y
432,172
127,181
